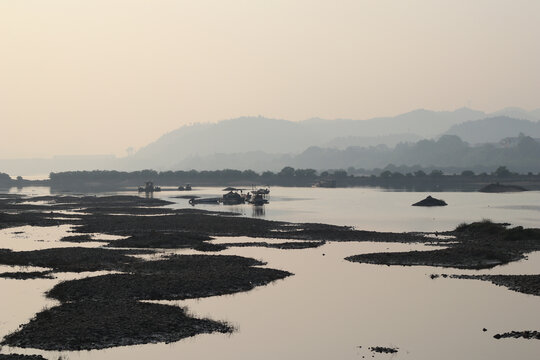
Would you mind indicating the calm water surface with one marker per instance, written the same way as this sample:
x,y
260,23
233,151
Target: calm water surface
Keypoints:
x,y
374,209
331,308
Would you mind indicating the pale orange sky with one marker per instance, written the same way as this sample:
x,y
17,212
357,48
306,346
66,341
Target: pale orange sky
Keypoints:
x,y
98,76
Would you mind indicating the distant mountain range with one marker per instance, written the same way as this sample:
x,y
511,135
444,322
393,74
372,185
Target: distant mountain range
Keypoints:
x,y
250,134
494,129
517,113
261,143
448,151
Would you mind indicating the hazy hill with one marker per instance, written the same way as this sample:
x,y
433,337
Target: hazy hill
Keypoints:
x,y
421,122
252,134
243,134
518,113
494,129
449,151
344,142
254,160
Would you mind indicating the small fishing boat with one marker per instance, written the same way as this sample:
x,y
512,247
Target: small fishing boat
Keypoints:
x,y
149,187
233,198
258,199
195,201
264,191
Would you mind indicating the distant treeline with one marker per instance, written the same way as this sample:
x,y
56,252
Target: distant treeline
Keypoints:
x,y
288,176
392,177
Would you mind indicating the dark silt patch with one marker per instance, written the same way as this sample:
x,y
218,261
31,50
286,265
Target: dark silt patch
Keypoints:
x,y
90,325
74,259
456,257
282,245
105,311
527,334
81,239
20,357
212,224
162,240
478,245
180,277
430,201
526,284
383,350
21,275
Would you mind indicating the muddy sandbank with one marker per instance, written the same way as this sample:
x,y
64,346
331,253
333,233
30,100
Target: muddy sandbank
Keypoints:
x,y
174,278
282,245
81,239
90,325
72,259
104,311
211,224
526,284
383,350
30,275
527,334
430,201
161,240
478,245
21,357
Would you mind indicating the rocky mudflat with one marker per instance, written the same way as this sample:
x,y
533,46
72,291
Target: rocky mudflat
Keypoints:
x,y
479,245
527,334
87,325
526,284
20,357
112,309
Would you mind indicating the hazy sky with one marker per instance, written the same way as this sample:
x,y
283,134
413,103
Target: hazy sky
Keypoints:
x,y
98,76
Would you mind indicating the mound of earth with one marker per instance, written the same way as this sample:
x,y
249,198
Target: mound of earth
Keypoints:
x,y
430,201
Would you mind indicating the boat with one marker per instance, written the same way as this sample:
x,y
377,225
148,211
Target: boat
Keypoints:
x,y
230,198
258,199
187,187
233,198
264,191
149,187
194,201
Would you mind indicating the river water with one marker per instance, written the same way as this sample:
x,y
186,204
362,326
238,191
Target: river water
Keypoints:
x,y
331,308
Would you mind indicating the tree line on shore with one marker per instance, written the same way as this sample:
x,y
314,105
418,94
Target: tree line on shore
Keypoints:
x,y
415,178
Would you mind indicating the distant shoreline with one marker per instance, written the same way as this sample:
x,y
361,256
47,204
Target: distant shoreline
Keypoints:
x,y
97,181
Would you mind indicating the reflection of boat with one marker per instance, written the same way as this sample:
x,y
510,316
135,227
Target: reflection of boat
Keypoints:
x,y
149,187
258,211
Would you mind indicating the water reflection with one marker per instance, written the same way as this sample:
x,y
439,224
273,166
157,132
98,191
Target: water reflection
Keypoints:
x,y
258,211
149,194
